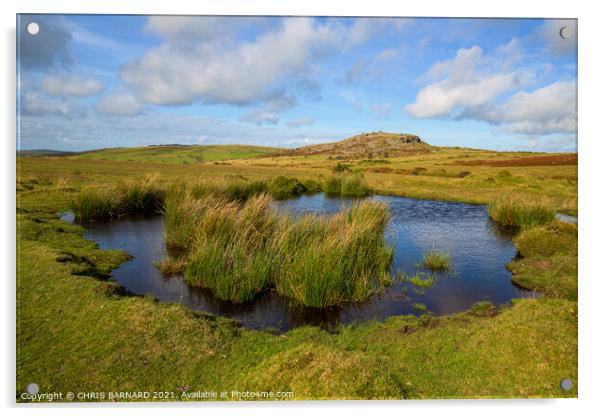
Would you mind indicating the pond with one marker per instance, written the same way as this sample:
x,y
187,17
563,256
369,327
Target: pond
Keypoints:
x,y
478,247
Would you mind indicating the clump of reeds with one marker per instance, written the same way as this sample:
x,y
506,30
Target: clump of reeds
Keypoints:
x,y
239,248
233,255
435,260
233,189
354,185
123,199
327,261
514,212
332,184
419,280
346,185
283,187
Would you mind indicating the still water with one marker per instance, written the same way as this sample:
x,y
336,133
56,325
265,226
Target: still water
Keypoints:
x,y
478,247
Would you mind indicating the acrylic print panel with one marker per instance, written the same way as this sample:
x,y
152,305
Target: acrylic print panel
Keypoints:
x,y
295,208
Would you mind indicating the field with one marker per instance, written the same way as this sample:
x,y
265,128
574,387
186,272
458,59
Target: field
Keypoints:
x,y
177,154
77,331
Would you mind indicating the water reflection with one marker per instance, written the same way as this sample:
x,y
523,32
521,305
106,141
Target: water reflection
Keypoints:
x,y
478,247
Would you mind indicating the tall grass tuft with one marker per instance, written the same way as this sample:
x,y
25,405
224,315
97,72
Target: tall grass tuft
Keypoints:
x,y
354,185
131,198
435,260
283,187
332,185
346,185
328,261
239,248
514,212
233,254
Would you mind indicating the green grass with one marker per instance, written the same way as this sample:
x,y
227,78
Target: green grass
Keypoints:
x,y
420,280
332,185
177,154
332,260
76,332
353,184
137,343
547,260
240,248
232,254
483,308
133,198
420,307
283,187
517,212
435,260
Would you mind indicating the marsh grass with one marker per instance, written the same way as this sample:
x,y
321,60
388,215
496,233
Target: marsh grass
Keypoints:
x,y
332,184
240,248
130,198
232,255
515,212
435,260
328,261
283,187
419,280
420,307
346,185
354,185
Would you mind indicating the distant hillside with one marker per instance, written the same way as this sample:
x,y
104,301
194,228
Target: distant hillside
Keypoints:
x,y
42,152
375,144
178,153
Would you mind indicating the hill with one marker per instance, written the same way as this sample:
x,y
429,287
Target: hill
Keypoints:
x,y
43,152
375,144
183,154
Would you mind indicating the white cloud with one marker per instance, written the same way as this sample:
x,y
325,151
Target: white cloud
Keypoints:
x,y
71,85
205,69
547,110
464,82
119,104
471,85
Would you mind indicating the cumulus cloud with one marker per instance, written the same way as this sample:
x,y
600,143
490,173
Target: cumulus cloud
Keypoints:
x,y
469,87
72,85
49,48
466,83
203,70
547,110
119,104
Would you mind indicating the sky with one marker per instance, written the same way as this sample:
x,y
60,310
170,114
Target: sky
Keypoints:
x,y
97,81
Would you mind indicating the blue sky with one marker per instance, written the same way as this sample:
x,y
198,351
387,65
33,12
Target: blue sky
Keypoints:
x,y
88,81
